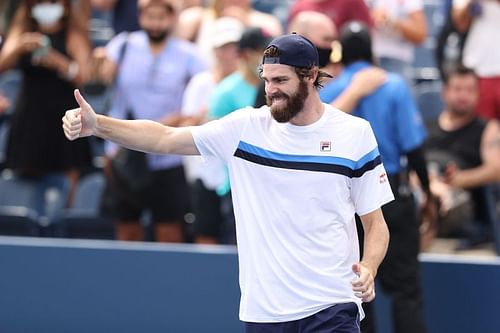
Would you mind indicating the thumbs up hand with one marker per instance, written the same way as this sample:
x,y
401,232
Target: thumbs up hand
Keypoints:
x,y
79,122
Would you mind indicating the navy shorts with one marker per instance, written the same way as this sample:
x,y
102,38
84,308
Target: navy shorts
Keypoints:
x,y
339,318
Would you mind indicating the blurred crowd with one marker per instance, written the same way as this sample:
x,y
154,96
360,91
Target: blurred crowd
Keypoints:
x,y
425,74
184,63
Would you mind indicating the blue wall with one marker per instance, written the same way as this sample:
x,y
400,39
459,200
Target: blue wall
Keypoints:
x,y
461,295
54,285
62,286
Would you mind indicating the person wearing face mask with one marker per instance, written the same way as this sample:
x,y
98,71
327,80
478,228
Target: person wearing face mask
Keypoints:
x,y
321,31
150,69
51,51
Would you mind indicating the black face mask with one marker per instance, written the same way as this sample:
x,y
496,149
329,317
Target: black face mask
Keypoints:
x,y
324,56
157,37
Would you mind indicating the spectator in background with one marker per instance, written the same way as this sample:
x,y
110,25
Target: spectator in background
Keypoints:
x,y
399,131
399,25
152,69
339,11
195,23
52,52
481,53
321,31
466,149
208,175
124,13
450,43
239,90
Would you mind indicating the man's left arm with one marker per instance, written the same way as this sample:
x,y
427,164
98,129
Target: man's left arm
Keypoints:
x,y
375,248
489,171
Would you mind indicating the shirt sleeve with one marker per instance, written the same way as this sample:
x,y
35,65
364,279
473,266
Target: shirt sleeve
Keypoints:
x,y
196,65
359,11
113,48
221,137
196,95
411,131
370,188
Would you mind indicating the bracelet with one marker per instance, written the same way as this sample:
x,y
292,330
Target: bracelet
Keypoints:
x,y
72,71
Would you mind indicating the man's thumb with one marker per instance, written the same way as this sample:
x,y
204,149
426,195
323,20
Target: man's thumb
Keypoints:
x,y
356,268
80,100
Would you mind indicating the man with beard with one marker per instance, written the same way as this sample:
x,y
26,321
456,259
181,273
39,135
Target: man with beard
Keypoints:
x,y
398,127
299,170
466,149
150,70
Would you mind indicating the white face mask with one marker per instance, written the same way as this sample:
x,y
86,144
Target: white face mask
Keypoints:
x,y
47,13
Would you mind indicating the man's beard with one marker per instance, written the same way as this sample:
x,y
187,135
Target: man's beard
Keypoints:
x,y
292,106
158,36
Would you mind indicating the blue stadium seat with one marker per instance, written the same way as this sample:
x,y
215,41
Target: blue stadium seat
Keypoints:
x,y
493,204
18,216
424,64
10,83
83,219
429,101
32,200
4,131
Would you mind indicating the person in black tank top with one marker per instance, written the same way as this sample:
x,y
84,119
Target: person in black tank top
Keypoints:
x,y
51,51
464,152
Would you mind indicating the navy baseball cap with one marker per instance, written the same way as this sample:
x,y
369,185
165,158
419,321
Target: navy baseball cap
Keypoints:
x,y
293,50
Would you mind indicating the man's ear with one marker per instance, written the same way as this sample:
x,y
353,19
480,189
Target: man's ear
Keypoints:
x,y
313,74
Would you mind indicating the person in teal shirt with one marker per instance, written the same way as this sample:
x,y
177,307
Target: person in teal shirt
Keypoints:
x,y
239,89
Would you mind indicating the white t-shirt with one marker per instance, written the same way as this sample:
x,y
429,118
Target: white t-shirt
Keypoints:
x,y
388,42
295,191
481,52
211,171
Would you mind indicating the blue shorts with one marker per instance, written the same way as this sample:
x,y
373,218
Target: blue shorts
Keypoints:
x,y
339,318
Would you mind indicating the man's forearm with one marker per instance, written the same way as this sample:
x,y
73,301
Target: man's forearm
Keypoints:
x,y
475,177
376,240
144,135
347,100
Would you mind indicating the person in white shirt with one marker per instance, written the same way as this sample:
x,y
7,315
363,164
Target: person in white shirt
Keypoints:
x,y
399,25
206,175
300,170
481,53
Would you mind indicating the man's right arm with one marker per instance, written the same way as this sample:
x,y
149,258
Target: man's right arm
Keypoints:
x,y
362,84
142,135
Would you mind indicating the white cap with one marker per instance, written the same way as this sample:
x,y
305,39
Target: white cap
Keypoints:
x,y
226,30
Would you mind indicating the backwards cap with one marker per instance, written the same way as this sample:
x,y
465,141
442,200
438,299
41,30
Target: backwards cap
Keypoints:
x,y
293,50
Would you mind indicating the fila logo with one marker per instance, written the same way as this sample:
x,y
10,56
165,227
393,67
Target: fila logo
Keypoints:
x,y
325,146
